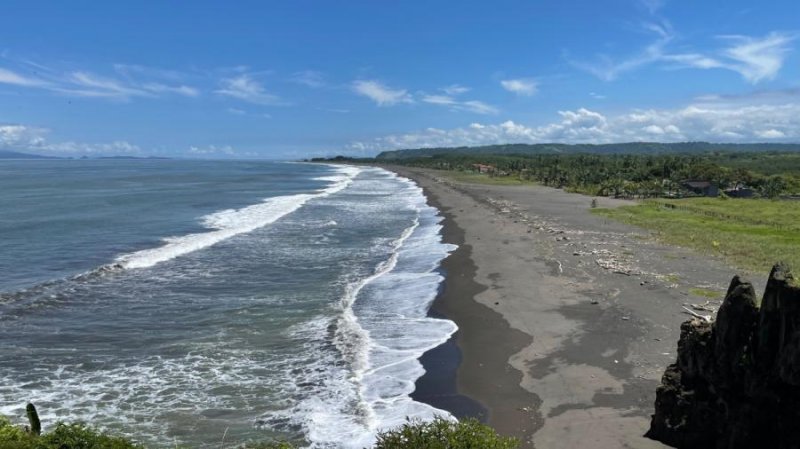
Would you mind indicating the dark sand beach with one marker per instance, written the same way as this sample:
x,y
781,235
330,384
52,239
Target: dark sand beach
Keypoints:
x,y
566,319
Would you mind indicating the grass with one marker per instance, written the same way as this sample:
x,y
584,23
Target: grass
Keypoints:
x,y
705,293
752,234
480,178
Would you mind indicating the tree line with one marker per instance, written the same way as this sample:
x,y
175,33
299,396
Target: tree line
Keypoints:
x,y
632,175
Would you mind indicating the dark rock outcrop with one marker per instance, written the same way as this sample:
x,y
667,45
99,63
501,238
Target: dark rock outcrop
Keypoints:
x,y
736,381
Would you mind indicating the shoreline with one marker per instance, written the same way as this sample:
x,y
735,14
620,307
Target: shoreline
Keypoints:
x,y
566,319
462,381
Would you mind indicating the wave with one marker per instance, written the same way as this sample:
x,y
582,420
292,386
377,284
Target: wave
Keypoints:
x,y
228,223
223,224
382,330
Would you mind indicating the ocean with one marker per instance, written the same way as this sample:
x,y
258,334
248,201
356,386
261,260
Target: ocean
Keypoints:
x,y
200,302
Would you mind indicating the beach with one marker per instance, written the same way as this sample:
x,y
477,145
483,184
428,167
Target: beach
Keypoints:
x,y
566,319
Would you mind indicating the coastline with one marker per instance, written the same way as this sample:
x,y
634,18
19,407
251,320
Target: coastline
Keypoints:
x,y
455,370
566,320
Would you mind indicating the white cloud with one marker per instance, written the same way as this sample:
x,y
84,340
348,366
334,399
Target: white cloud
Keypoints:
x,y
773,117
21,137
9,77
236,111
87,84
186,91
478,107
244,87
309,78
653,6
770,134
133,71
758,59
32,139
218,151
381,94
521,86
439,99
608,69
212,149
475,106
754,58
455,89
119,147
334,110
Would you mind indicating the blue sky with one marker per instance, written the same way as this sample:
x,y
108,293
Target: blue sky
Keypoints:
x,y
290,79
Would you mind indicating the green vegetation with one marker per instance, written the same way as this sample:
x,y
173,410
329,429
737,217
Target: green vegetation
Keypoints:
x,y
437,434
620,175
752,234
443,434
482,178
612,148
64,436
705,293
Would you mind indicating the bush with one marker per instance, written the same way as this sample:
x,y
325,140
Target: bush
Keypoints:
x,y
437,434
443,434
64,436
272,445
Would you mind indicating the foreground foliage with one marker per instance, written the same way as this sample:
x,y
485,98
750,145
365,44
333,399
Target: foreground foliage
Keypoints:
x,y
438,434
443,434
64,436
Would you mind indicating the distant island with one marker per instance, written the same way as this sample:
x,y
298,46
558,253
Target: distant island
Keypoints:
x,y
5,154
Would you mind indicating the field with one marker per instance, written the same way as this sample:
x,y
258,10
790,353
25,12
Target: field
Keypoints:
x,y
751,234
478,178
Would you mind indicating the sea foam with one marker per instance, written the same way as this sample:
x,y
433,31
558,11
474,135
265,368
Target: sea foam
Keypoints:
x,y
382,331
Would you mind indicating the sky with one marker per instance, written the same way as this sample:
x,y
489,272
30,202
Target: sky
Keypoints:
x,y
294,79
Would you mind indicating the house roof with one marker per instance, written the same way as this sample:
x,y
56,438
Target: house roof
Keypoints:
x,y
697,184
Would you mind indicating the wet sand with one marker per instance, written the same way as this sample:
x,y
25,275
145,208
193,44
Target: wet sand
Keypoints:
x,y
566,319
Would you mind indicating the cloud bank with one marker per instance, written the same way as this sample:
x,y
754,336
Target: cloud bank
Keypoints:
x,y
764,116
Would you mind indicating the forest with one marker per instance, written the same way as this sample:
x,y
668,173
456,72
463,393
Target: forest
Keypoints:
x,y
769,174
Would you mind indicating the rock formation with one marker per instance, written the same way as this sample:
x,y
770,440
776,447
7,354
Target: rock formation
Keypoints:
x,y
736,381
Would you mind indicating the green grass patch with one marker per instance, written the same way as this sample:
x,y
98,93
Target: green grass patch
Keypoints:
x,y
482,178
751,234
705,293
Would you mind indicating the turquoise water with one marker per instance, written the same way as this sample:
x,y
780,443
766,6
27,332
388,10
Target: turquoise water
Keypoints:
x,y
180,301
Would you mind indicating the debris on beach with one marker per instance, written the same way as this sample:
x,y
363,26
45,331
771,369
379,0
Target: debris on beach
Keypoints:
x,y
617,266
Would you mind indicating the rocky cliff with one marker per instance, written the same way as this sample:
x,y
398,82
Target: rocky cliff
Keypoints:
x,y
736,382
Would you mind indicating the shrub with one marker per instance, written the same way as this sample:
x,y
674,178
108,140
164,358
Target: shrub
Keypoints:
x,y
437,434
64,436
443,434
272,445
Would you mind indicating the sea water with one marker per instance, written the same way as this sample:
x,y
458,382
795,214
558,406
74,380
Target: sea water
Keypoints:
x,y
199,303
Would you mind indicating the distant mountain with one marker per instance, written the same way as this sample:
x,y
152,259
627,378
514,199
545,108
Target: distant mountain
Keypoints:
x,y
132,157
17,155
611,148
